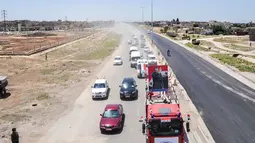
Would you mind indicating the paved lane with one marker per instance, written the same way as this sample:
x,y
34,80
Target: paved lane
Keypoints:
x,y
82,124
217,96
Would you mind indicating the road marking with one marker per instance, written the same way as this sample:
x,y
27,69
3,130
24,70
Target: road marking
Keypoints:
x,y
229,88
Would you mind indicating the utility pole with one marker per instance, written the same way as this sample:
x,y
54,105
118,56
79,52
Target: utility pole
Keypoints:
x,y
151,20
4,15
142,14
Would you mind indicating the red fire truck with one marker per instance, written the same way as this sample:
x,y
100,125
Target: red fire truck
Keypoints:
x,y
163,122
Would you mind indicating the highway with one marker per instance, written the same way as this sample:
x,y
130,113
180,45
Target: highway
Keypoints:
x,y
216,95
81,125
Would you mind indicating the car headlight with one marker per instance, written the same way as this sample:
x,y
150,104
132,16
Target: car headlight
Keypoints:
x,y
121,92
133,92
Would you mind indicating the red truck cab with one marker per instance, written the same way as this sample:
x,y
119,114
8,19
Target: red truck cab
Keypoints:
x,y
163,122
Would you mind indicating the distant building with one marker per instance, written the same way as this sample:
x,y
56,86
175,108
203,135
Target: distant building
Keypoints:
x,y
252,34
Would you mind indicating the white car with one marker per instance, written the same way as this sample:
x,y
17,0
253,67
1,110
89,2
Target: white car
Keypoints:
x,y
100,89
146,49
152,60
117,60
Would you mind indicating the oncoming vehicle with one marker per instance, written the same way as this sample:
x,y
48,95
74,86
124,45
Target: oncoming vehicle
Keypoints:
x,y
128,88
112,118
135,55
146,49
117,60
132,48
152,59
100,89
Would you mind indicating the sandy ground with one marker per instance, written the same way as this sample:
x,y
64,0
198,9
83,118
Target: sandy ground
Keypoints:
x,y
42,90
21,44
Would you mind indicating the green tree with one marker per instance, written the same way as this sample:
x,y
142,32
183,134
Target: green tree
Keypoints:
x,y
165,29
177,21
173,21
195,25
218,29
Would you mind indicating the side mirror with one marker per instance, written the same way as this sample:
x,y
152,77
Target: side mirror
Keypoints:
x,y
119,85
187,127
135,85
92,86
101,114
143,128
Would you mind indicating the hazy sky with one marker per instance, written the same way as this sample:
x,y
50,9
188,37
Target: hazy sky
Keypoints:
x,y
129,10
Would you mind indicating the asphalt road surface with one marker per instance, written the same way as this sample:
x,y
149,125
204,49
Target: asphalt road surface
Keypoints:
x,y
216,95
82,124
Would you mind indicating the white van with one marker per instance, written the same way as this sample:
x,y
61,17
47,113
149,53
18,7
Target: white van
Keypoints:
x,y
135,55
133,48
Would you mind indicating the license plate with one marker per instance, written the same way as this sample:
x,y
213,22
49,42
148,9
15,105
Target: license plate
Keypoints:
x,y
107,129
127,96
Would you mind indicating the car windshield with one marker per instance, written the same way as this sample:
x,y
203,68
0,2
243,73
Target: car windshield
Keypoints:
x,y
99,85
127,84
111,114
117,58
173,128
135,58
152,58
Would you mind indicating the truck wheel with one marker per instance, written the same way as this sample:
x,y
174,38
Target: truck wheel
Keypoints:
x,y
4,91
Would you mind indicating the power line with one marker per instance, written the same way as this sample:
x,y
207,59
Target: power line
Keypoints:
x,y
4,15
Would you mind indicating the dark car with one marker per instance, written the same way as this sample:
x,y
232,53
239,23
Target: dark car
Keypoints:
x,y
112,118
128,89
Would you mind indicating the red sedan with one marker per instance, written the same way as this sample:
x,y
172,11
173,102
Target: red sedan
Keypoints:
x,y
112,118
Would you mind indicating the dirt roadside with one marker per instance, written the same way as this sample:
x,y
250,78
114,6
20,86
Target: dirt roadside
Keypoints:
x,y
43,90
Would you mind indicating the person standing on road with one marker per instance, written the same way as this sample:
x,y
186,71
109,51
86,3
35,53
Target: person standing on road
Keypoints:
x,y
14,136
46,56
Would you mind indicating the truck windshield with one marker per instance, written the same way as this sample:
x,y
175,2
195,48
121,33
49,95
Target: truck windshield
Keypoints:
x,y
173,128
135,58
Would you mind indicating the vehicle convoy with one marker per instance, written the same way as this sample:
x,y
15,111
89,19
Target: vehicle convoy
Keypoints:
x,y
135,55
152,59
117,60
100,89
128,89
3,84
112,118
163,122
